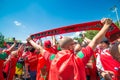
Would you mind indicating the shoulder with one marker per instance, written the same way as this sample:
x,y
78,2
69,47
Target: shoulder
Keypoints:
x,y
87,49
64,54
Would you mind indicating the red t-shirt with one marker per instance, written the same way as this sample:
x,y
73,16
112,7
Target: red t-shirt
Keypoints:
x,y
40,66
32,60
68,66
11,69
108,63
11,65
44,63
1,69
1,63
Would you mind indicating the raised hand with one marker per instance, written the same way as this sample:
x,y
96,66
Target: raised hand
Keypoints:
x,y
106,21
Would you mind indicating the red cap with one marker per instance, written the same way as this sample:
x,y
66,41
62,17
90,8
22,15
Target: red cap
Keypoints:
x,y
61,37
47,44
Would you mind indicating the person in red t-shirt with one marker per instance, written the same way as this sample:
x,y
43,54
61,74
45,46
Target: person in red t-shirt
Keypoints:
x,y
44,58
66,62
104,44
109,64
10,64
3,56
32,62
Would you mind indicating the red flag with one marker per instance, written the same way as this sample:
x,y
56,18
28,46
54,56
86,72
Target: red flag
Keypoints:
x,y
114,31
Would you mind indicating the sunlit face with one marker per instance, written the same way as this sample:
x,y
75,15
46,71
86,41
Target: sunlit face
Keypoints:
x,y
104,45
70,45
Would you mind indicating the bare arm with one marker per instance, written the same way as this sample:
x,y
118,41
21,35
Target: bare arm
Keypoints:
x,y
101,33
53,40
40,42
85,38
35,45
11,48
85,41
21,47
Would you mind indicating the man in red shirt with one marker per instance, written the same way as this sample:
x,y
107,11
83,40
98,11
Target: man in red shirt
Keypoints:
x,y
47,51
32,61
44,62
66,65
3,56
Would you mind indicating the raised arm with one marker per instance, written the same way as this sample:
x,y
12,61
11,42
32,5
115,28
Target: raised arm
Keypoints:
x,y
5,54
85,41
21,47
11,48
40,42
35,45
107,22
53,40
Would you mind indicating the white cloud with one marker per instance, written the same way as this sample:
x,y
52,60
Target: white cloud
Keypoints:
x,y
17,23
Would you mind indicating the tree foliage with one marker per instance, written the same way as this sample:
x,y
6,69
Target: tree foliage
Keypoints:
x,y
78,39
90,34
11,40
117,24
1,40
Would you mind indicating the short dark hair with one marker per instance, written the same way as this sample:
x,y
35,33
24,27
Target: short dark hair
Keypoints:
x,y
31,49
105,41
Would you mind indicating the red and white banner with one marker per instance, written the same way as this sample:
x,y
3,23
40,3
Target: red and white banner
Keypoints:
x,y
112,34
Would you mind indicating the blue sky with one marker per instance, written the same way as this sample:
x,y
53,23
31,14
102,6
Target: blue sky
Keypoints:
x,y
20,18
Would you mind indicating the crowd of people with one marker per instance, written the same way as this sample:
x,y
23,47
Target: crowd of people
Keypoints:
x,y
63,59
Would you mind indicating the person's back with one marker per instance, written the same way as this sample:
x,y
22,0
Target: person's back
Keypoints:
x,y
69,66
44,61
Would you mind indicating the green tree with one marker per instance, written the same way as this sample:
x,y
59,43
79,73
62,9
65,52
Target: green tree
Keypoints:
x,y
8,39
78,39
117,24
11,40
1,40
90,34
